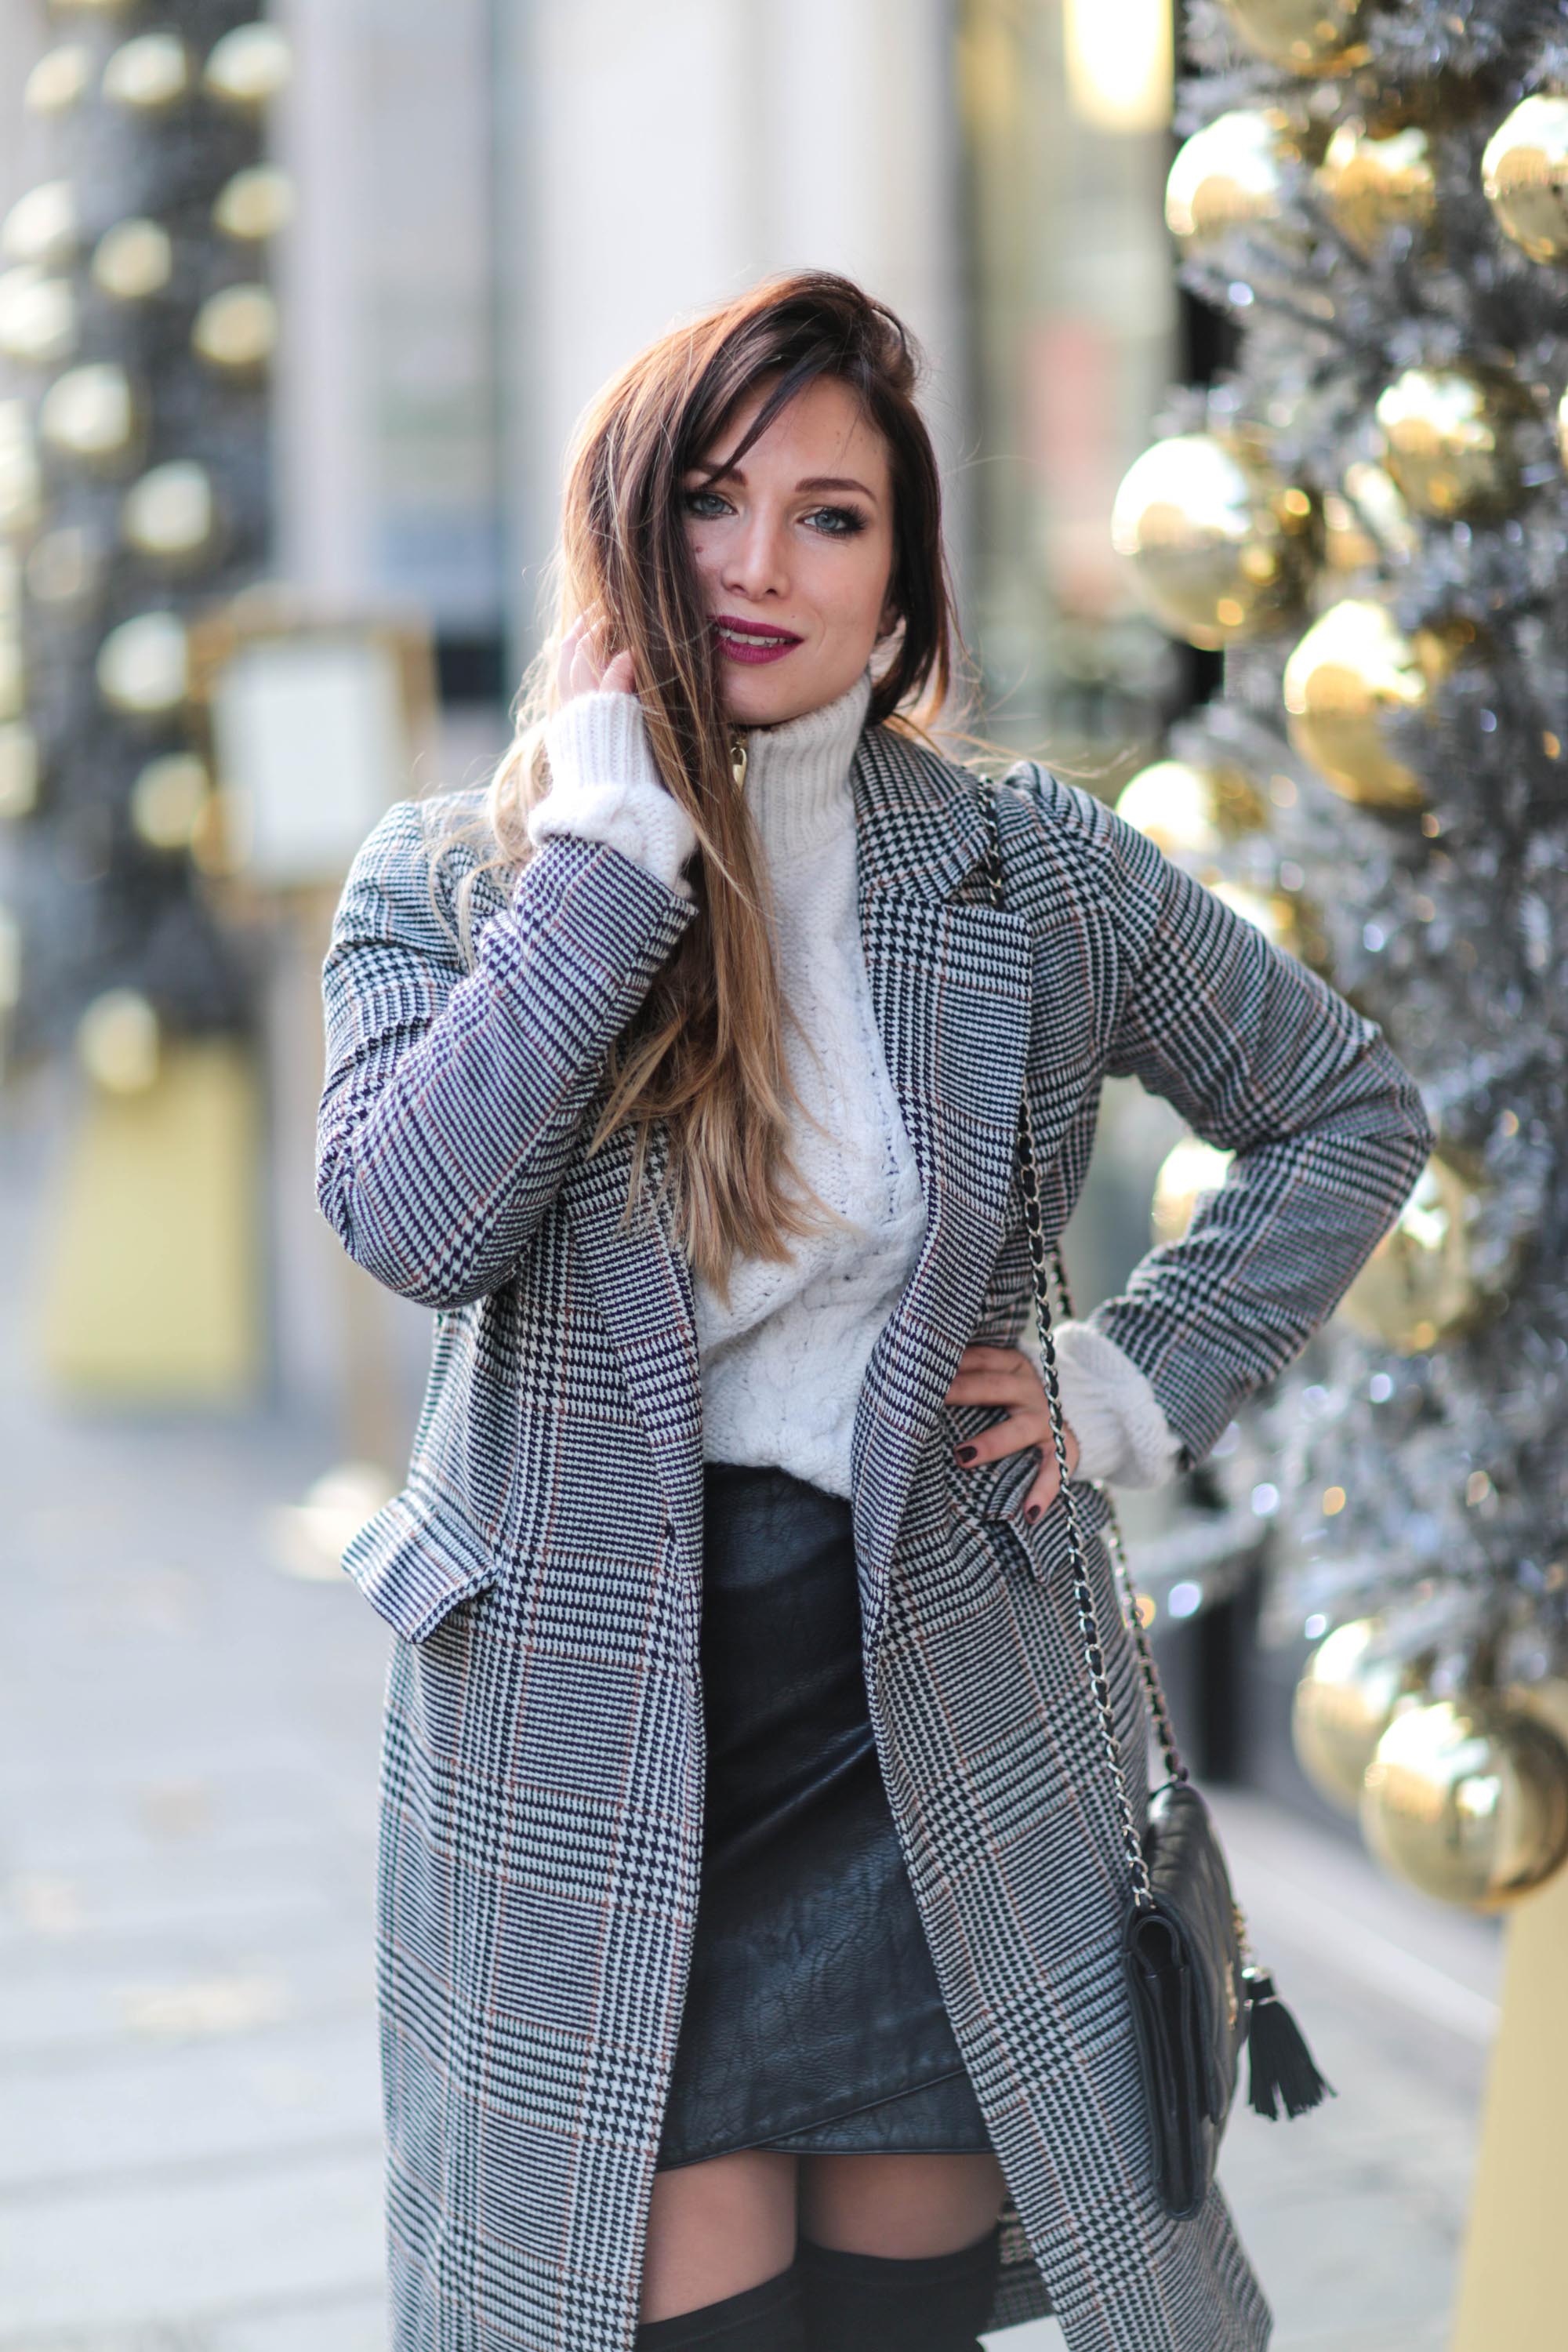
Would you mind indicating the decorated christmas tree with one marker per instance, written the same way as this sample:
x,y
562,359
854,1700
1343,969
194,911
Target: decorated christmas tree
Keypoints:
x,y
136,330
1368,512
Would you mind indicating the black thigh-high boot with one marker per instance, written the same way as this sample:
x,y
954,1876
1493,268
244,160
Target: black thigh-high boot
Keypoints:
x,y
765,2318
880,2302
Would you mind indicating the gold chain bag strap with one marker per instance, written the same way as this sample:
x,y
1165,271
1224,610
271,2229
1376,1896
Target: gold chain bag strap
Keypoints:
x,y
1196,1994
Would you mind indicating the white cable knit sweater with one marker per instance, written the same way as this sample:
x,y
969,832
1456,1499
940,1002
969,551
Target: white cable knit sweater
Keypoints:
x,y
783,1363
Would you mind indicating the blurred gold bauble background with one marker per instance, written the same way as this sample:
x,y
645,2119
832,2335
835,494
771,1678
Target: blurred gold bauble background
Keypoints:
x,y
1353,1685
1191,812
1220,548
65,567
1225,177
59,81
12,677
149,74
254,205
143,666
236,330
1449,444
21,482
38,317
170,515
1368,524
1283,916
250,66
1524,172
1350,674
42,226
118,1041
91,414
169,800
1418,1289
1374,183
132,259
18,770
1189,1168
1467,1799
1310,37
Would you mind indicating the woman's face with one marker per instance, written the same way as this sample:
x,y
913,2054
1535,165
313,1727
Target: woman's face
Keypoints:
x,y
794,553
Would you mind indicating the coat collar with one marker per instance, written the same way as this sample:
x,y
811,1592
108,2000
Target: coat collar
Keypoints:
x,y
951,985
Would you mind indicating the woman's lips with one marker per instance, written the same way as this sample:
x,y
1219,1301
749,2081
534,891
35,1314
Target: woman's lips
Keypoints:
x,y
752,644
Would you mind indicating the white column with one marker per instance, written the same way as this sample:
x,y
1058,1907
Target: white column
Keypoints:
x,y
655,160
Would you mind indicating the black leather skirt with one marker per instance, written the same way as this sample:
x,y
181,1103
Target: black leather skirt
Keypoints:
x,y
813,2019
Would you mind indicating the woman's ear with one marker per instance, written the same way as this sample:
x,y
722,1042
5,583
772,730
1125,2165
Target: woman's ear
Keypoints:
x,y
891,617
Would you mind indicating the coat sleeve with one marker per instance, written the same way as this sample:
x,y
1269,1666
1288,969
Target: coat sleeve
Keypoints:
x,y
453,1097
1266,1060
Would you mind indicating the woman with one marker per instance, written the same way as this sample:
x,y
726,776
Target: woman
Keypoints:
x,y
750,1886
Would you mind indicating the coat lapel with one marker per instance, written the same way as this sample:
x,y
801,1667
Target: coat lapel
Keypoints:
x,y
950,980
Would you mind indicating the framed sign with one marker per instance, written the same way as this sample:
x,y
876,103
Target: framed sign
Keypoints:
x,y
315,726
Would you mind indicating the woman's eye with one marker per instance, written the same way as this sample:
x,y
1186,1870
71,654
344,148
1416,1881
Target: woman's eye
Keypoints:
x,y
839,522
704,503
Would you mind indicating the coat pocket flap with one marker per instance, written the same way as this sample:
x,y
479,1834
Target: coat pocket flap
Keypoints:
x,y
416,1559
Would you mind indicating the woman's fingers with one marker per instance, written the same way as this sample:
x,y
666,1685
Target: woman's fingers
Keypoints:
x,y
619,677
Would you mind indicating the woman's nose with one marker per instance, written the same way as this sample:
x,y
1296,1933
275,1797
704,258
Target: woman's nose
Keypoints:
x,y
755,562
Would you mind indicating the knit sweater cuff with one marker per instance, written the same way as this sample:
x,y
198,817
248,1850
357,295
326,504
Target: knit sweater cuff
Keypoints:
x,y
1123,1436
604,786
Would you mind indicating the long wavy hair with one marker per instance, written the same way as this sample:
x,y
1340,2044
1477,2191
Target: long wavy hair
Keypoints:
x,y
704,1053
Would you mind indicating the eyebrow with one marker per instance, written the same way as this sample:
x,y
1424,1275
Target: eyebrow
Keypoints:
x,y
811,482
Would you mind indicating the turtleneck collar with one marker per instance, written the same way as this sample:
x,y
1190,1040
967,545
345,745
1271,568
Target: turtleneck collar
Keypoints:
x,y
798,773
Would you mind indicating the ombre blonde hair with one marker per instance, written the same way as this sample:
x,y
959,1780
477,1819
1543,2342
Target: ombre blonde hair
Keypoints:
x,y
704,1053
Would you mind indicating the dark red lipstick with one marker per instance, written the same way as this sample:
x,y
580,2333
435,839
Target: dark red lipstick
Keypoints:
x,y
752,641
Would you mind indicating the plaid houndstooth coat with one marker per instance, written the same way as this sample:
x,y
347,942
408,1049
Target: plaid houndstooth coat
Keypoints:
x,y
542,1760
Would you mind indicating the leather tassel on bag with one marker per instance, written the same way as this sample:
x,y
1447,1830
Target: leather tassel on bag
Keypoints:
x,y
1280,2071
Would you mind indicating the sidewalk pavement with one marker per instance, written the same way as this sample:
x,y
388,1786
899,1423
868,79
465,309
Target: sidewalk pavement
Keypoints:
x,y
189,2113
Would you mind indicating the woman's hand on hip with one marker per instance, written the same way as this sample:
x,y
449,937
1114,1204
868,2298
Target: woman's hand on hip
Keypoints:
x,y
581,666
1007,1376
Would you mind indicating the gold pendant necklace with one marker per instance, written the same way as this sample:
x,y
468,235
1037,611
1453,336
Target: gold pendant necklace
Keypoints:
x,y
739,755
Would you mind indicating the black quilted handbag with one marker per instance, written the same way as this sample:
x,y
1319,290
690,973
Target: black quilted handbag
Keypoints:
x,y
1196,1993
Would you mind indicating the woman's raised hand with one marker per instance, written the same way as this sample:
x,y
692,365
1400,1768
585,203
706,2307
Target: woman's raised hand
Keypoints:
x,y
580,668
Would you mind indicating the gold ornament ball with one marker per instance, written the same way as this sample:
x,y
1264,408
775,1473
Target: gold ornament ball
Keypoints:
x,y
1350,674
42,226
1344,1702
1191,1167
1369,521
99,8
250,66
148,75
1467,1799
1309,36
143,665
1284,919
118,1041
236,330
91,415
18,770
59,81
1218,546
255,204
21,482
1375,183
169,800
10,961
13,678
1448,444
65,568
1226,176
1191,812
38,317
1417,1288
170,515
132,260
1524,172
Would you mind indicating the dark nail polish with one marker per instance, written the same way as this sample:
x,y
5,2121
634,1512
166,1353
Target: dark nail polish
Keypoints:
x,y
1033,1513
966,1453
